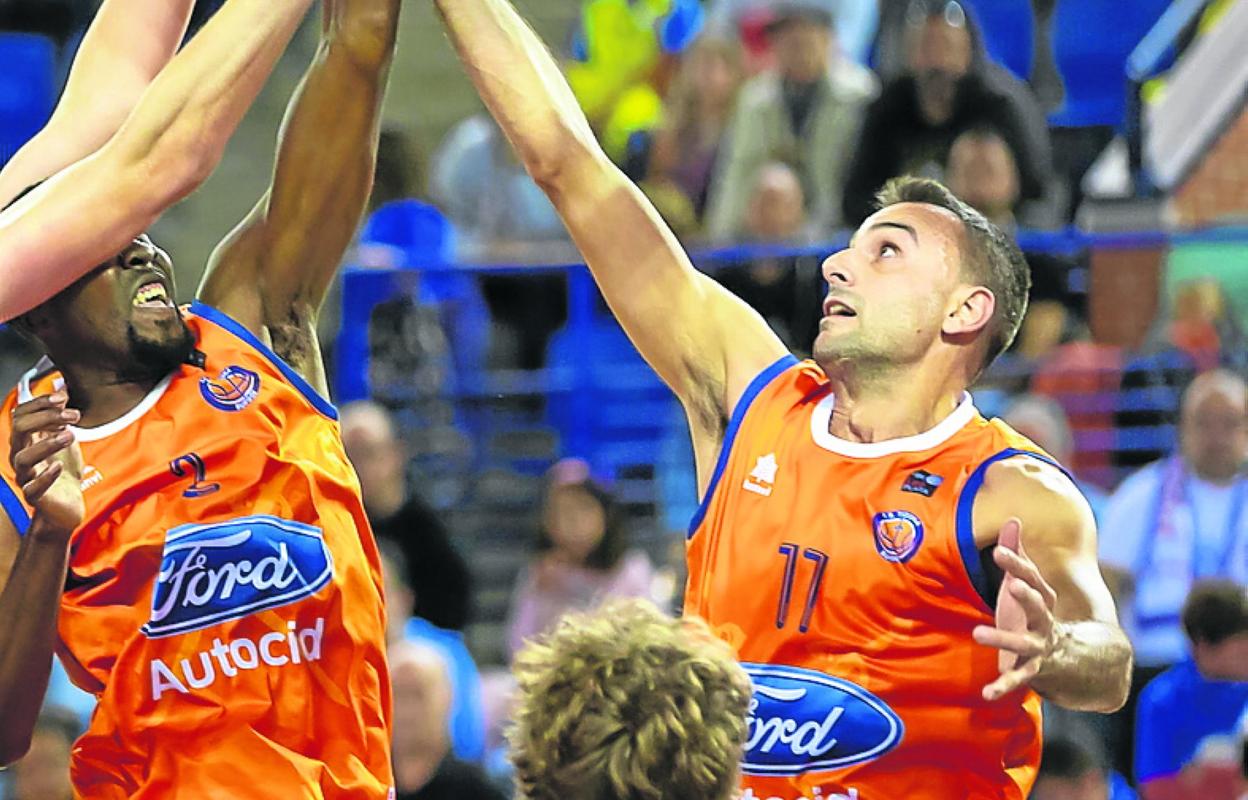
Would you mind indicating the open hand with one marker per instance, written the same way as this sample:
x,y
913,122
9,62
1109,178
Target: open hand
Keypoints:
x,y
1026,631
47,462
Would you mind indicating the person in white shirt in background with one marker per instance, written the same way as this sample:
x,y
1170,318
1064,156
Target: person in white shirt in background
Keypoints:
x,y
1173,522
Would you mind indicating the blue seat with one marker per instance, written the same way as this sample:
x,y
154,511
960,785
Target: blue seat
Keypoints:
x,y
1006,27
27,88
1093,39
426,240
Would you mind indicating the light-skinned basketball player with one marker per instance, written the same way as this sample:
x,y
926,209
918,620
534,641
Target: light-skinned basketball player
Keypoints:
x,y
902,578
180,520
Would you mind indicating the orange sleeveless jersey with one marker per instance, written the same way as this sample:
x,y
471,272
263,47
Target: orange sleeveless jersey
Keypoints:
x,y
847,578
224,596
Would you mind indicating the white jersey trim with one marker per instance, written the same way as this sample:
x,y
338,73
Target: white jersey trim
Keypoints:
x,y
109,428
821,416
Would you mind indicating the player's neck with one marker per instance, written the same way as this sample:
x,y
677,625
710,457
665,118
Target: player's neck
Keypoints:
x,y
101,394
873,409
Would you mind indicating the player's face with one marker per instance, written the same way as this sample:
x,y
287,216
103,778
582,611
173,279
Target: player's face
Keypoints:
x,y
123,312
888,292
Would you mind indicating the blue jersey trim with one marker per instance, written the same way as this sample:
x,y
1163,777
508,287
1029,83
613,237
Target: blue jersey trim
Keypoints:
x,y
966,526
222,320
13,508
738,416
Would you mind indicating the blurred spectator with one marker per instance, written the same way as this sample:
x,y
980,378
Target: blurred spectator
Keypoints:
x,y
439,573
1043,420
628,703
401,171
424,768
43,773
805,112
779,288
477,181
466,718
1186,734
855,23
699,109
950,87
982,172
495,206
583,556
1181,519
1068,771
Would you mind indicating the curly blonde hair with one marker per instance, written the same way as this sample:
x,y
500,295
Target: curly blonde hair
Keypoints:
x,y
628,704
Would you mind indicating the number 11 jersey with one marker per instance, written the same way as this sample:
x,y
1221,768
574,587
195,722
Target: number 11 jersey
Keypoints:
x,y
847,578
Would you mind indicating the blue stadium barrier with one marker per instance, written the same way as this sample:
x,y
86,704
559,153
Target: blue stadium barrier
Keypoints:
x,y
608,406
27,88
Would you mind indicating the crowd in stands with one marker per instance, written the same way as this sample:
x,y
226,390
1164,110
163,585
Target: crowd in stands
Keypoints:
x,y
750,121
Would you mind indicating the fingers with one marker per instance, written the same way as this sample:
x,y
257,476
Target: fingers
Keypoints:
x,y
29,457
1039,614
1025,645
1010,535
35,489
1013,680
44,414
1025,570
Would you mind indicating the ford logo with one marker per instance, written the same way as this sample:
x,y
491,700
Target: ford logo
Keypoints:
x,y
226,570
805,721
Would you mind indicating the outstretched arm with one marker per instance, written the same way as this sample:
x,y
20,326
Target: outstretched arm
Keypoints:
x,y
1056,625
170,143
292,242
705,343
127,45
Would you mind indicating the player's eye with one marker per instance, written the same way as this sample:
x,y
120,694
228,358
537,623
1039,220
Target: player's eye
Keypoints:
x,y
889,250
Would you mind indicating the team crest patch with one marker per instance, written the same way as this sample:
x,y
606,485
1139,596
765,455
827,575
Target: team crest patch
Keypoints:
x,y
233,390
898,535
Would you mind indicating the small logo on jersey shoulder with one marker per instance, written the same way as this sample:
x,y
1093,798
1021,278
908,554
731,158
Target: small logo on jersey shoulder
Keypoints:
x,y
921,482
214,573
898,535
233,390
762,479
802,721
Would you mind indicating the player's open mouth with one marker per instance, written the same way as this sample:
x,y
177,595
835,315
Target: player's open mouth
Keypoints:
x,y
837,308
152,295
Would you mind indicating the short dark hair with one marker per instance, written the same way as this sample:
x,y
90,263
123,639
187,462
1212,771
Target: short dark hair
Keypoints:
x,y
989,256
1215,611
1068,759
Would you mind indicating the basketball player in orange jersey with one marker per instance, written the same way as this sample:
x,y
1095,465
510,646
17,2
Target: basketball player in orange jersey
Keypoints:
x,y
902,578
181,523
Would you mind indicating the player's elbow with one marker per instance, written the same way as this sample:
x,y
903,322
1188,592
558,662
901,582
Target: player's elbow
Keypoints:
x,y
367,33
1118,686
561,159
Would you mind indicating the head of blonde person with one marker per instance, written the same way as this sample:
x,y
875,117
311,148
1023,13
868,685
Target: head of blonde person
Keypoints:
x,y
626,703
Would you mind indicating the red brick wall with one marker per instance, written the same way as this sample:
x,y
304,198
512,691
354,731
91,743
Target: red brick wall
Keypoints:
x,y
1217,191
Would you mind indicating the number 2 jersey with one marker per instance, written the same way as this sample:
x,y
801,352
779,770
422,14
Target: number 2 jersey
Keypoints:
x,y
223,601
847,578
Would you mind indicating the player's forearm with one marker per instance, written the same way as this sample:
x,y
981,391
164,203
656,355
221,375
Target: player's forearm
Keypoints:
x,y
182,124
521,83
113,67
28,610
1090,669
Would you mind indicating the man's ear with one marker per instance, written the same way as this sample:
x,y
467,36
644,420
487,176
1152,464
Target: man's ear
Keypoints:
x,y
972,311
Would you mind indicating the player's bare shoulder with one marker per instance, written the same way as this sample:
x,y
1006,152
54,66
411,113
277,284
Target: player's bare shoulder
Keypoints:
x,y
1036,492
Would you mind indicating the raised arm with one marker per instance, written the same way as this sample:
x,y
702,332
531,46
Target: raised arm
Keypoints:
x,y
1057,628
271,273
127,45
170,143
705,343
